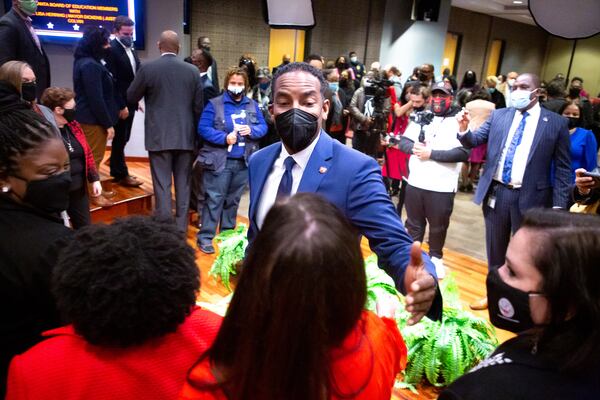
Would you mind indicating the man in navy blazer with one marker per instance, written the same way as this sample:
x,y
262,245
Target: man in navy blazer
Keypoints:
x,y
528,165
309,160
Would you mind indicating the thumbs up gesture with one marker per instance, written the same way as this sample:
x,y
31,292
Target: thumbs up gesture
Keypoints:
x,y
420,285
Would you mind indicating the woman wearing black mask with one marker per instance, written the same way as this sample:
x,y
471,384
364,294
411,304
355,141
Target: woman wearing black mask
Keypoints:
x,y
62,103
548,292
22,77
34,189
97,109
584,149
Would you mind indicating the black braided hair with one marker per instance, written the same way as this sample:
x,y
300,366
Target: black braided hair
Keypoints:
x,y
21,130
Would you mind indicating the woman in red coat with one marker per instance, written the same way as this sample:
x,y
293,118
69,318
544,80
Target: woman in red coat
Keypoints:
x,y
296,328
129,291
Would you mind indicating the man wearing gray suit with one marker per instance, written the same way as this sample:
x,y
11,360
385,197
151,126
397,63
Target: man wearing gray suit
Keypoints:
x,y
528,165
173,95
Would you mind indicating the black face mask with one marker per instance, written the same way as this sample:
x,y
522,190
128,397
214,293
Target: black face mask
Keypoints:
x,y
28,91
286,62
50,194
574,92
297,128
573,122
508,307
423,77
69,114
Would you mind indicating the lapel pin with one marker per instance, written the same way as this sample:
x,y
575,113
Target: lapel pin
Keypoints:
x,y
322,170
545,119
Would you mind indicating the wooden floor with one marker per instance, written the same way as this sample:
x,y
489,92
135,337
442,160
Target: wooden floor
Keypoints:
x,y
470,275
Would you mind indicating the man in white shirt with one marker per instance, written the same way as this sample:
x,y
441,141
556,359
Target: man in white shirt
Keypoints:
x,y
433,177
528,165
309,160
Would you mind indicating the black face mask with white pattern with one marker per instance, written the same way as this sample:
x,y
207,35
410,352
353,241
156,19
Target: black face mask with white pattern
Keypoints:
x,y
508,307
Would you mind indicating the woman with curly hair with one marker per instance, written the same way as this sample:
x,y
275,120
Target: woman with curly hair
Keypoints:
x,y
128,291
62,103
296,328
34,189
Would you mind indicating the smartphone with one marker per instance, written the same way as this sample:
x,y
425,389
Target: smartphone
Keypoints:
x,y
594,174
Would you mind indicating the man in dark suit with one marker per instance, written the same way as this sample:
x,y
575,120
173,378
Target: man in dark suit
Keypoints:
x,y
528,165
123,63
18,41
173,96
308,160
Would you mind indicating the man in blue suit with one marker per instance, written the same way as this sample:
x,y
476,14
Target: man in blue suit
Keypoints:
x,y
528,165
308,160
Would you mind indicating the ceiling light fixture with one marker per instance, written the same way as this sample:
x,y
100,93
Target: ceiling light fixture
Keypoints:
x,y
517,2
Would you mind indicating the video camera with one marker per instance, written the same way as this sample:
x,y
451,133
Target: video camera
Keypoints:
x,y
422,118
377,89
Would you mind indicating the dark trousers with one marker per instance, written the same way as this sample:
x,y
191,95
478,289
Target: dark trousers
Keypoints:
x,y
197,190
223,192
502,220
79,207
401,196
118,167
166,167
366,142
340,136
435,208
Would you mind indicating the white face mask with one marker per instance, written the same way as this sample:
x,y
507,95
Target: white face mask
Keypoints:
x,y
236,90
520,99
511,82
354,59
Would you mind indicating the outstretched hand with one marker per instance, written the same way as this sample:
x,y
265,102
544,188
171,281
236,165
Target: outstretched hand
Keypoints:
x,y
420,285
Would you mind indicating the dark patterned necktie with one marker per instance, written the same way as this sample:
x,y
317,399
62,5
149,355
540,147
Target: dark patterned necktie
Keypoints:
x,y
285,186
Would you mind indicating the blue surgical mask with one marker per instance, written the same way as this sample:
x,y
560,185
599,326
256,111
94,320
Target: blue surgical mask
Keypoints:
x,y
520,99
491,90
334,86
264,86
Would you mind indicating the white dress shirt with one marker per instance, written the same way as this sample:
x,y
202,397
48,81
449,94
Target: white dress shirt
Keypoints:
x,y
523,150
129,52
269,192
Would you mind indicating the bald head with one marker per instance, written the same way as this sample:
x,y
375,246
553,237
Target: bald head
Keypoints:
x,y
168,42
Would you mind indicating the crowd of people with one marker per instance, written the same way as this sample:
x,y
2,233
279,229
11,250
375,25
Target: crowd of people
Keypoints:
x,y
98,311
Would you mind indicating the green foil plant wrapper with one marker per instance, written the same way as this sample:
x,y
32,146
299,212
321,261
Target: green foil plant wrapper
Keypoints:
x,y
232,249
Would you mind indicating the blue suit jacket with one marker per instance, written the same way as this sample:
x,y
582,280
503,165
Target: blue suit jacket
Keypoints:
x,y
353,183
546,182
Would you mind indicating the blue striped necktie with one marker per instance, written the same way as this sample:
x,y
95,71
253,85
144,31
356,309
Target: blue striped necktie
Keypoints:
x,y
512,149
285,186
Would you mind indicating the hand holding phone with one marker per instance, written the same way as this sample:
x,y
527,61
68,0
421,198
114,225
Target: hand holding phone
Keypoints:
x,y
586,180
